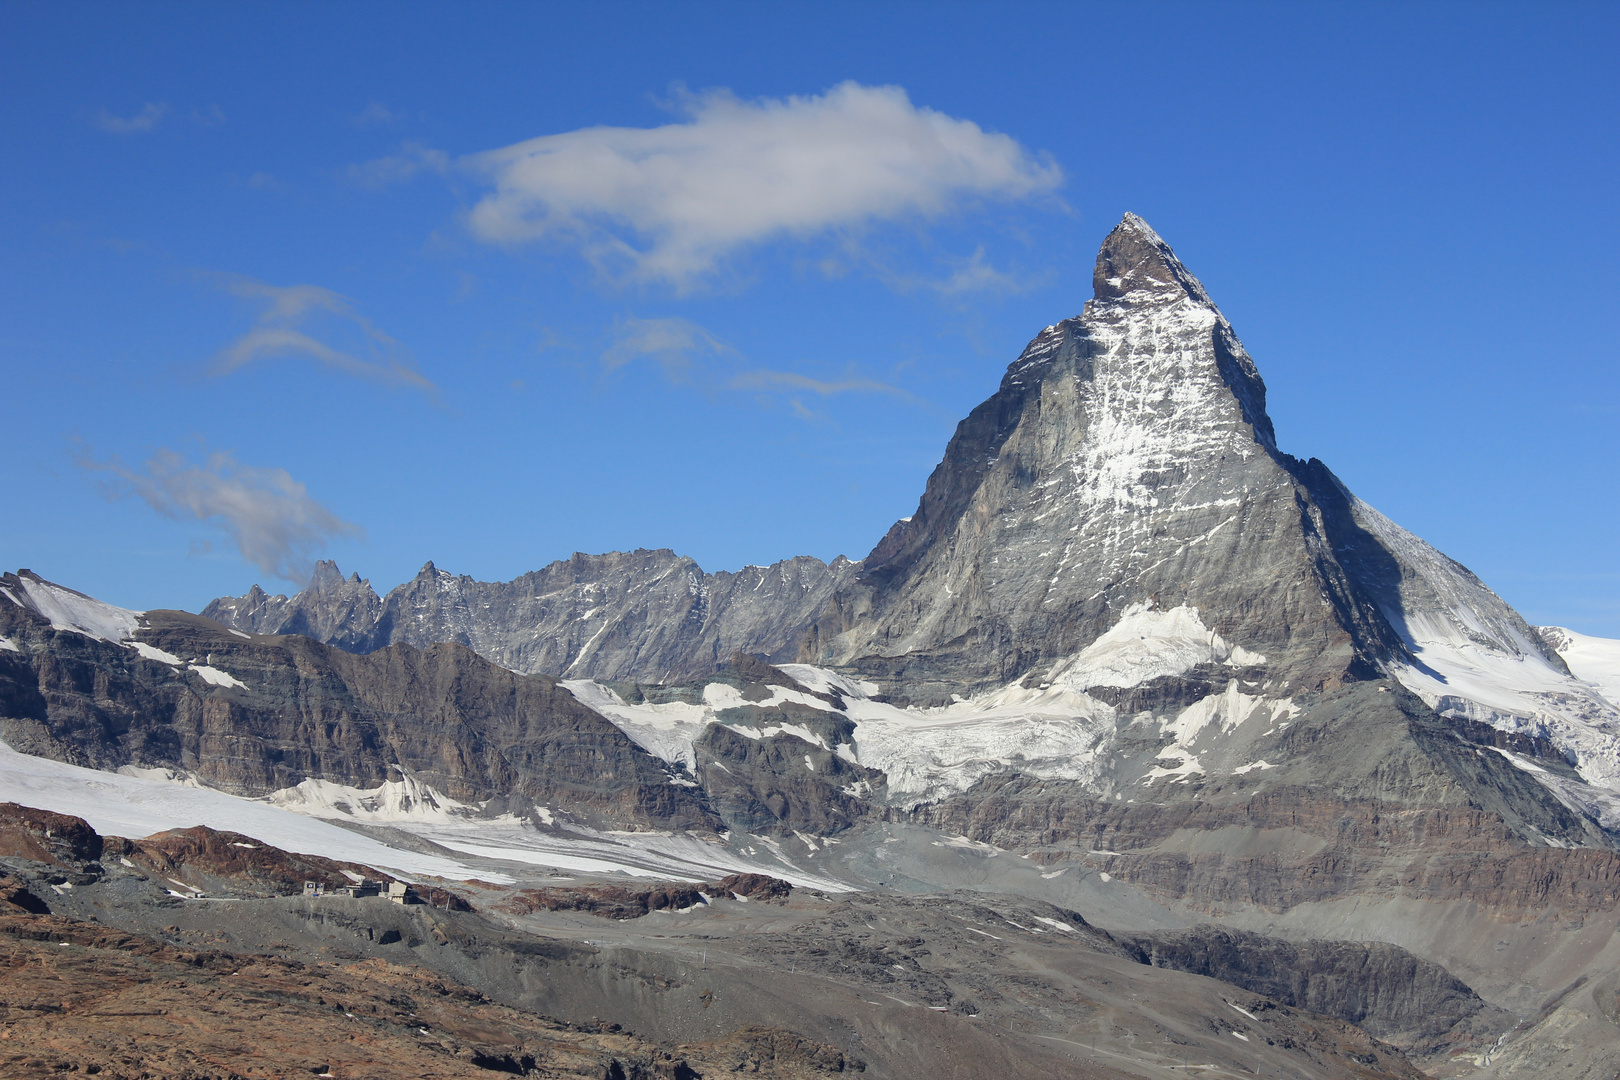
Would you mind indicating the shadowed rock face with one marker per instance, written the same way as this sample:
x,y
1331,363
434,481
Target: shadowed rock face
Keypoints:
x,y
1383,989
456,722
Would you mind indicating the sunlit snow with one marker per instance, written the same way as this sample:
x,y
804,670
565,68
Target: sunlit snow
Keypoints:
x,y
117,804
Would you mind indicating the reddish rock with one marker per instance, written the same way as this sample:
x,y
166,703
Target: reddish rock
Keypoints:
x,y
43,836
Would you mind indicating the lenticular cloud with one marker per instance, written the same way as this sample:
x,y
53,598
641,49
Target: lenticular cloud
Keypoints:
x,y
668,203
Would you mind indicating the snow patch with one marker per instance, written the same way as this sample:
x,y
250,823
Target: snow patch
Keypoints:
x,y
150,652
216,677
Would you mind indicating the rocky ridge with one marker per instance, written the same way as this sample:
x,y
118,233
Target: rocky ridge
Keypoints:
x,y
254,715
650,616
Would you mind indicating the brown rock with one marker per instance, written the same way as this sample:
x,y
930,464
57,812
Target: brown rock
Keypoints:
x,y
43,836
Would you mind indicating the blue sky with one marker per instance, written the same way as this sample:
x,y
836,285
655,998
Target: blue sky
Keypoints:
x,y
288,281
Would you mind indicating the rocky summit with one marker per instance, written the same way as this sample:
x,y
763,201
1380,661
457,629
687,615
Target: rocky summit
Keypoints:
x,y
1141,745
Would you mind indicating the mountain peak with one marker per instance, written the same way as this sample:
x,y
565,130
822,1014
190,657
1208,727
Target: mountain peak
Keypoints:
x,y
1133,259
326,576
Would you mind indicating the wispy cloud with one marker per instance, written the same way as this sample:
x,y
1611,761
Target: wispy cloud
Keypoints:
x,y
265,513
376,113
764,379
670,203
281,332
413,158
212,116
675,344
685,352
148,118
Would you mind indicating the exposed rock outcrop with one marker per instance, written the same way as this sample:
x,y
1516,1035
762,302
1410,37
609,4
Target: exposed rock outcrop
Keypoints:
x,y
618,902
1385,990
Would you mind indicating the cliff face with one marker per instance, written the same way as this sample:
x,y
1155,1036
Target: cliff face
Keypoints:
x,y
1385,990
253,715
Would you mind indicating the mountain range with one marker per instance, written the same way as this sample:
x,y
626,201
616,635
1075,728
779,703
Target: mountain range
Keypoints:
x,y
1176,680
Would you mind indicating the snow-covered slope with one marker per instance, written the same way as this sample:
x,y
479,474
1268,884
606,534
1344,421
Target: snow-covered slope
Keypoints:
x,y
1475,656
1593,660
70,610
1053,731
119,804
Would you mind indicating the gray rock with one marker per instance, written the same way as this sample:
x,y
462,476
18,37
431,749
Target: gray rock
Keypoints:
x,y
650,616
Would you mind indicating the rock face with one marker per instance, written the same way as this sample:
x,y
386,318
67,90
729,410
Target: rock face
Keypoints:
x,y
254,715
1127,461
649,616
43,837
1385,990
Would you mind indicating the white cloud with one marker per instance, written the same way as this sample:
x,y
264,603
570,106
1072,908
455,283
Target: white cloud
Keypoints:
x,y
148,118
673,343
267,514
280,333
670,203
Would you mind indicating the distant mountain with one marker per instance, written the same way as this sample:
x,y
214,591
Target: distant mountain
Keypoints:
x,y
648,615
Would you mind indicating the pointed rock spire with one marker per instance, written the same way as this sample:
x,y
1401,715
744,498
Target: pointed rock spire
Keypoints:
x,y
1126,464
1134,258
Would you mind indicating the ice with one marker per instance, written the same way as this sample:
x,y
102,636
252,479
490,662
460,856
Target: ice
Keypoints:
x,y
1230,709
824,681
725,696
69,610
668,856
1148,644
931,753
135,806
665,731
393,802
